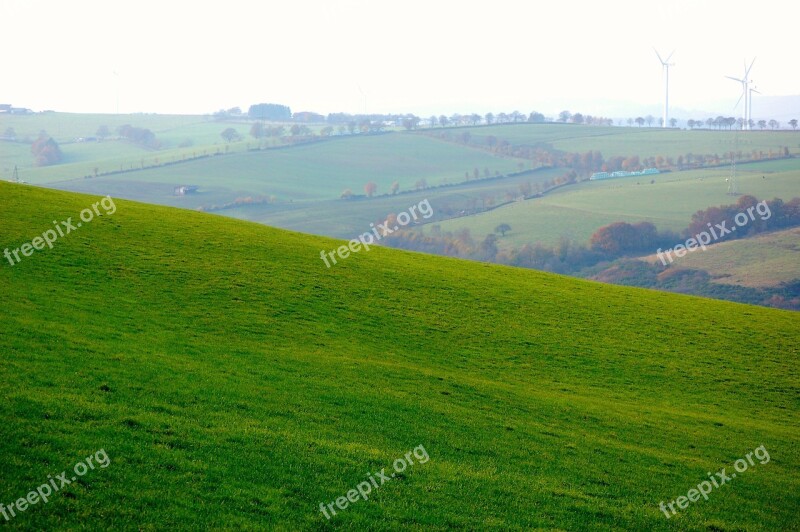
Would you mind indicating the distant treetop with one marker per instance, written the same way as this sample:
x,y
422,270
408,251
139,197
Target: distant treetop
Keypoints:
x,y
270,111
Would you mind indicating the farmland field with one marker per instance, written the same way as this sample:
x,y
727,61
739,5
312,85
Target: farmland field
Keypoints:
x,y
317,171
578,211
764,260
644,142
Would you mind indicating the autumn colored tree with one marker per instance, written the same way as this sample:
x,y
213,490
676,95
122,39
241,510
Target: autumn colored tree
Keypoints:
x,y
370,189
46,151
620,238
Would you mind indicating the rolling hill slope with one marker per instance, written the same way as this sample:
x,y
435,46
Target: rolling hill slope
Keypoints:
x,y
314,171
234,381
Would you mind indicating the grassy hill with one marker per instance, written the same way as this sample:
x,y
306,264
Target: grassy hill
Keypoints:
x,y
234,381
763,260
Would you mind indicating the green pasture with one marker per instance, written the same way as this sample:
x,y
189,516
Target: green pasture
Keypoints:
x,y
644,142
577,211
236,382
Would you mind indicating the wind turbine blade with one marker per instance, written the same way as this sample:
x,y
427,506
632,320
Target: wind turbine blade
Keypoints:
x,y
747,71
735,79
739,100
670,55
658,55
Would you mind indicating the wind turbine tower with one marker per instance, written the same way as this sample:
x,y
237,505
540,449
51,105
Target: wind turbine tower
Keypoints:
x,y
751,90
665,64
745,81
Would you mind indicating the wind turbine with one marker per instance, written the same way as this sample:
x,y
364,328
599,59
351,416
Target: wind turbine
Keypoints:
x,y
745,90
751,90
666,64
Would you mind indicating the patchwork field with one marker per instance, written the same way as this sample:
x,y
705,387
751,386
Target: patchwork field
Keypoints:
x,y
317,171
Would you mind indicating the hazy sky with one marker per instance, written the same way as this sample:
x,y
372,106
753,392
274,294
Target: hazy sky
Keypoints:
x,y
423,57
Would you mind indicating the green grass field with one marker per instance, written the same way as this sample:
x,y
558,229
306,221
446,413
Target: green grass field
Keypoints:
x,y
344,219
235,382
316,171
579,210
761,261
201,133
644,142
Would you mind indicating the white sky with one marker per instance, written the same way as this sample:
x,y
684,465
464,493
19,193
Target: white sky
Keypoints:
x,y
429,56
